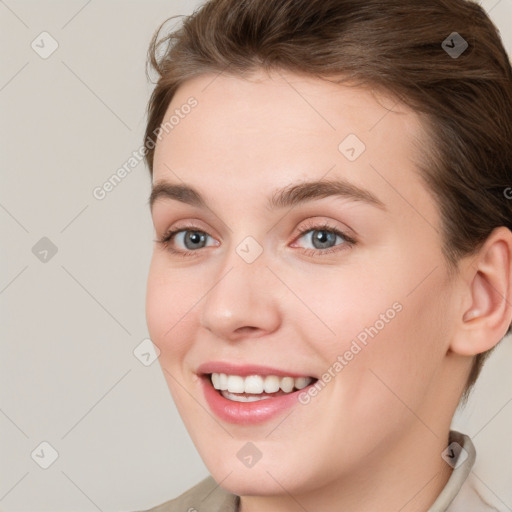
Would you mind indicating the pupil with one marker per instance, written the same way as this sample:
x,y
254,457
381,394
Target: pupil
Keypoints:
x,y
323,237
195,237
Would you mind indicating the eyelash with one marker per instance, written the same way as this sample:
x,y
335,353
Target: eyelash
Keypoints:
x,y
348,240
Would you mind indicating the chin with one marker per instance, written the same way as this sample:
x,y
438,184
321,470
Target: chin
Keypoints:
x,y
260,480
250,484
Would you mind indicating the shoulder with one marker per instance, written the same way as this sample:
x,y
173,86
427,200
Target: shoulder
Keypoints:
x,y
206,495
475,496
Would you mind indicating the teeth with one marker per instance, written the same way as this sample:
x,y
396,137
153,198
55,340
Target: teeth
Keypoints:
x,y
236,384
242,398
254,385
302,382
271,384
223,381
257,384
287,384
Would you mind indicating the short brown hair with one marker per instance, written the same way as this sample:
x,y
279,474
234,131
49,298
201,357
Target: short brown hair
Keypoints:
x,y
465,100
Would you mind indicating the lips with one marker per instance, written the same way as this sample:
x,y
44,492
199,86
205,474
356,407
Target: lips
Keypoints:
x,y
246,369
247,394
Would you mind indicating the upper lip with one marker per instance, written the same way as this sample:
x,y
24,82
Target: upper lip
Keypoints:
x,y
245,369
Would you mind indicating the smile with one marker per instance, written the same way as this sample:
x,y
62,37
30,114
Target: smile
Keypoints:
x,y
252,388
250,394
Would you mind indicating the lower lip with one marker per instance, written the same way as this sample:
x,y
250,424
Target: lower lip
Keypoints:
x,y
247,413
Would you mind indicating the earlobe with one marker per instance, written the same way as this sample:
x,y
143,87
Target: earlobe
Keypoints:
x,y
489,292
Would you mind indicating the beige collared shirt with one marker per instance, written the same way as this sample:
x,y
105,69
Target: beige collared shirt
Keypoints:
x,y
461,493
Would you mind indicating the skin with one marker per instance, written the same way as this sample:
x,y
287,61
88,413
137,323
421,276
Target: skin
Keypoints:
x,y
357,445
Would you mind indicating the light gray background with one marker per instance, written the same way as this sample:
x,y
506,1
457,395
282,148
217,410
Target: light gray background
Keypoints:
x,y
70,324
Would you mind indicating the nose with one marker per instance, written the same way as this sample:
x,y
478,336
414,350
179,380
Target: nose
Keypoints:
x,y
242,300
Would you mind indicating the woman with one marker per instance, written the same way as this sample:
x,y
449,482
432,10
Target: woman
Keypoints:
x,y
333,254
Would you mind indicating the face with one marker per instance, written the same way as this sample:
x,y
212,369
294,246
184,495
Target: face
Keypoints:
x,y
335,292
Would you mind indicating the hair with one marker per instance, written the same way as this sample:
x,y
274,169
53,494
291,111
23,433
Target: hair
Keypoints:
x,y
464,101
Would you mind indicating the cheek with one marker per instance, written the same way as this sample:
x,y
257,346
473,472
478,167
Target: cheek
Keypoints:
x,y
404,355
170,308
380,324
343,305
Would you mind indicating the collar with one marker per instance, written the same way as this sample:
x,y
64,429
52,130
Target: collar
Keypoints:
x,y
462,454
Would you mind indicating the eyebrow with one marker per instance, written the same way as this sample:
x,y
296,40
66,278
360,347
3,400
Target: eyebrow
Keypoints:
x,y
286,197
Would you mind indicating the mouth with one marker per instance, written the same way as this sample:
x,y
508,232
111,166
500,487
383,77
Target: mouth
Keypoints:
x,y
248,394
254,388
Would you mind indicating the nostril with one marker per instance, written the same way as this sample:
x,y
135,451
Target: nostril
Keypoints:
x,y
246,329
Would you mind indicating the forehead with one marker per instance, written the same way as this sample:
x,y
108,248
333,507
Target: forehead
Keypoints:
x,y
249,136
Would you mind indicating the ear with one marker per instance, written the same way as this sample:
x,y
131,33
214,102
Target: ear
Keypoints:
x,y
486,310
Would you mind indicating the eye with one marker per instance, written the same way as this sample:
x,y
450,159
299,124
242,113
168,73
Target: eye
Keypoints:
x,y
188,239
191,239
324,239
